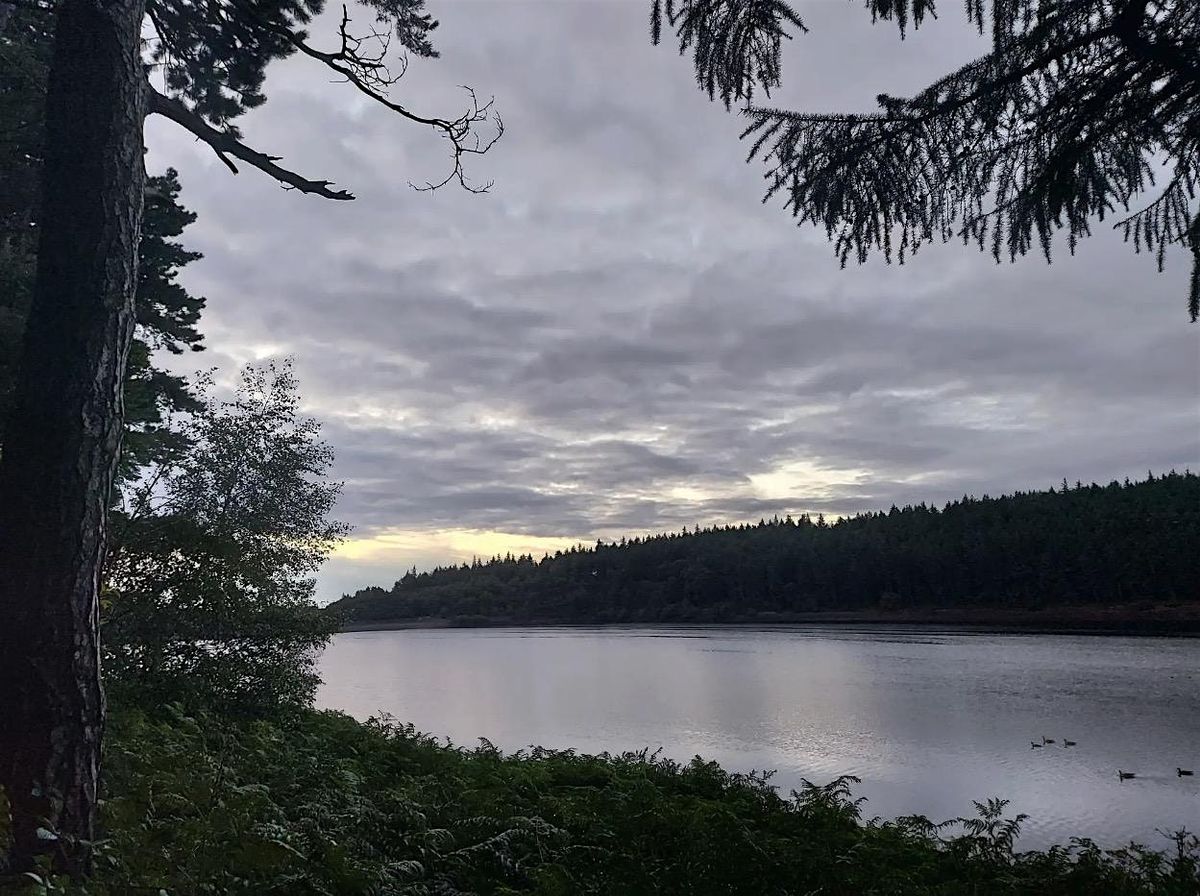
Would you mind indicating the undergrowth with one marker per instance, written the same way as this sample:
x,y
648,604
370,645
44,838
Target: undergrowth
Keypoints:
x,y
321,804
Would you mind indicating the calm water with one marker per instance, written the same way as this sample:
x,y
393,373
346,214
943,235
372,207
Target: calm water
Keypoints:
x,y
928,720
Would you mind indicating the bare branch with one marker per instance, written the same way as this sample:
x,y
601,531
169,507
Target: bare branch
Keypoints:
x,y
225,145
371,76
476,147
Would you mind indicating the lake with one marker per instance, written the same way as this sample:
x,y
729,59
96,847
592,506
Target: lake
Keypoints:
x,y
928,719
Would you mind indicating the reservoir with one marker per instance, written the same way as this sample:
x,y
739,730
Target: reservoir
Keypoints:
x,y
929,720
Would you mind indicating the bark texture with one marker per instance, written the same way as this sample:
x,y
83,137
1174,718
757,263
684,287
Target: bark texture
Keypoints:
x,y
63,439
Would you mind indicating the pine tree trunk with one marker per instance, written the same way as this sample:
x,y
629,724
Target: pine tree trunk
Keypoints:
x,y
64,434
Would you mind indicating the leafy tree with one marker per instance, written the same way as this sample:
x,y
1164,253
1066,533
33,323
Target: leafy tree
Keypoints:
x,y
66,419
209,579
208,60
1083,110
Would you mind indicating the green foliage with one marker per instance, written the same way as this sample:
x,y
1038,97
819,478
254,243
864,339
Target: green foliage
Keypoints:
x,y
166,313
1076,546
24,44
1082,110
320,804
209,595
214,57
16,279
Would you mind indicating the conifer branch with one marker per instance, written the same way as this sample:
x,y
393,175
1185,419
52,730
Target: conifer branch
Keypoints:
x,y
736,45
1069,118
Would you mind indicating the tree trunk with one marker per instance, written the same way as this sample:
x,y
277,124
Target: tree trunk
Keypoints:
x,y
64,433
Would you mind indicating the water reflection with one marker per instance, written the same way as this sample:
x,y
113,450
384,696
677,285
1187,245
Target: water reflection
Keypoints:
x,y
928,720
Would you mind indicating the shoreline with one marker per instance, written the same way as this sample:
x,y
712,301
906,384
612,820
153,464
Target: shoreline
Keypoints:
x,y
1178,621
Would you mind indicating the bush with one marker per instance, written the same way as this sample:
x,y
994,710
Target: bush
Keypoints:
x,y
209,589
320,804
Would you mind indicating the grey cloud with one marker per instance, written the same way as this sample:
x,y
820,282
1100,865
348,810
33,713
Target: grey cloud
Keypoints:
x,y
621,323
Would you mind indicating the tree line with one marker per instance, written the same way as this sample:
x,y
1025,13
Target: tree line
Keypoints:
x,y
1121,543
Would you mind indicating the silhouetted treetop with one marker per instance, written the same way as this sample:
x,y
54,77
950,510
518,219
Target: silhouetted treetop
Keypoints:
x,y
1083,110
1123,543
735,44
211,57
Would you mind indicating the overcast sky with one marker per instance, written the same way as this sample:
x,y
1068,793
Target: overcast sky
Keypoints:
x,y
620,338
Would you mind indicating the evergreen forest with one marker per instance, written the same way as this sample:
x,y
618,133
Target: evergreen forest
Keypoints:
x,y
1126,543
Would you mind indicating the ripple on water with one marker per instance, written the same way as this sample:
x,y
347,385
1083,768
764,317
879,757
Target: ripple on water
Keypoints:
x,y
929,720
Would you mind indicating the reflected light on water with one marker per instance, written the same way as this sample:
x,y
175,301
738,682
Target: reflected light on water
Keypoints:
x,y
928,720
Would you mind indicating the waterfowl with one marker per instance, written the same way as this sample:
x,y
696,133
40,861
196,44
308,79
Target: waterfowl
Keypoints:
x,y
1184,772
1047,740
1068,743
1125,776
1034,745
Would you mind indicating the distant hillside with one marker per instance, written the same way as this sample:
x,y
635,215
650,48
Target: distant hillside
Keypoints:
x,y
1090,546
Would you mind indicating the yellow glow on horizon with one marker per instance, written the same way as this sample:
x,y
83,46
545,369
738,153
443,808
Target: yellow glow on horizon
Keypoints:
x,y
409,547
390,550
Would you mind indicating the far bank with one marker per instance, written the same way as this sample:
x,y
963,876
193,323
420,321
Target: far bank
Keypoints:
x,y
1181,620
1116,558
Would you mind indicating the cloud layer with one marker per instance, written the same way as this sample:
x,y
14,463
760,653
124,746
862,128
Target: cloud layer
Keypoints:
x,y
620,337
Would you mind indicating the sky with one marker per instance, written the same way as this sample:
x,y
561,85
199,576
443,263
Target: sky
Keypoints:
x,y
620,337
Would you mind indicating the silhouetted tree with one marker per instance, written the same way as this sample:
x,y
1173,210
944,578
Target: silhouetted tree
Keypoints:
x,y
166,315
25,42
63,439
1083,110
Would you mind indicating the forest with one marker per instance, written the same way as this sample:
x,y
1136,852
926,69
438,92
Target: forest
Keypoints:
x,y
1125,543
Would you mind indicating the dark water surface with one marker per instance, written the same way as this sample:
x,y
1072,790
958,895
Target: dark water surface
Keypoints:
x,y
929,720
